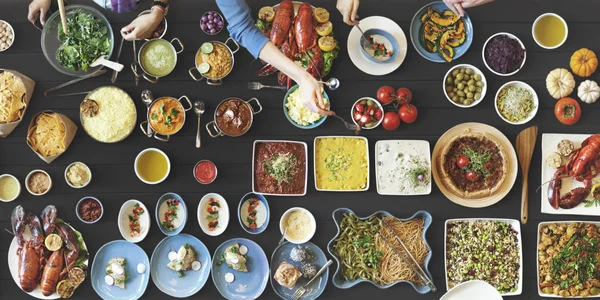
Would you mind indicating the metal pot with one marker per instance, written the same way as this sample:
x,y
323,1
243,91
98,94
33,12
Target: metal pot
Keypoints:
x,y
157,135
149,77
218,130
215,81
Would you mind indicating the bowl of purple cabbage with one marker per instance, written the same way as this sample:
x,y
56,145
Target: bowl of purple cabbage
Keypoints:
x,y
212,22
504,54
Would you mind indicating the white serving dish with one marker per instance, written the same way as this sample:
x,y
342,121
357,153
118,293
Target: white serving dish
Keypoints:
x,y
513,37
549,142
538,19
477,71
123,221
85,184
223,214
521,84
407,146
285,216
315,162
516,226
305,164
472,290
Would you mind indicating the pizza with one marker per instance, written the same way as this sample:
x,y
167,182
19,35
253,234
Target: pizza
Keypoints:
x,y
473,165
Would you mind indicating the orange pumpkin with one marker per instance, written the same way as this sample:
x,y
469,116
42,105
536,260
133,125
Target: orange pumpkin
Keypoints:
x,y
584,62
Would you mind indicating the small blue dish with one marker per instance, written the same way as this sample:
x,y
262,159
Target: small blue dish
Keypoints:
x,y
135,285
246,285
392,42
264,202
167,280
317,258
183,218
338,279
287,115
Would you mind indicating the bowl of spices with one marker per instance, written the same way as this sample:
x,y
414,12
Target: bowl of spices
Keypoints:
x,y
300,223
504,54
89,210
160,30
78,175
38,182
516,102
10,188
7,36
205,171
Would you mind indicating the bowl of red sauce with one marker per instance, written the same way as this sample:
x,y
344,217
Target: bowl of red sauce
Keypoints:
x,y
205,171
89,210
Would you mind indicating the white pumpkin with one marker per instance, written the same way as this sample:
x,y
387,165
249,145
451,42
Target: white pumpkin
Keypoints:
x,y
560,83
588,91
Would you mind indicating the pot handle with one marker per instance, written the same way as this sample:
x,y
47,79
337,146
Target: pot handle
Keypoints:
x,y
214,82
162,138
180,44
146,129
188,101
191,71
237,46
218,131
260,108
151,80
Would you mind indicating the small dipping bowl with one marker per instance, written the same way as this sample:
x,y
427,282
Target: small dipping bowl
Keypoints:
x,y
80,202
11,177
377,106
383,35
88,171
31,174
512,36
140,156
205,171
540,20
7,29
214,13
283,224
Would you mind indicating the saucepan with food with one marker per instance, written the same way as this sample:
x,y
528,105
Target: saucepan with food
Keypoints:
x,y
233,117
166,117
158,58
214,61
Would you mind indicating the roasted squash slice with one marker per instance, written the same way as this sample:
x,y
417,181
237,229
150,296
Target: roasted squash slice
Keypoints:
x,y
446,52
431,31
457,39
425,17
460,26
430,47
446,20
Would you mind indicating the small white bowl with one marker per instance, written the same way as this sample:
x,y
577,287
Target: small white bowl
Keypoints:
x,y
536,101
137,158
13,34
378,105
18,184
79,216
27,180
545,15
223,214
284,218
85,184
510,35
123,221
477,71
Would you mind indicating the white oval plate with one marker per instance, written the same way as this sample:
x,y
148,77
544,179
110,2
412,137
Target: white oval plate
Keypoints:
x,y
472,290
223,214
123,221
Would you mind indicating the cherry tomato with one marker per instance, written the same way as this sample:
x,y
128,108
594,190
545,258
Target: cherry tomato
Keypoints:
x,y
378,114
370,110
391,120
359,107
408,113
471,176
567,111
365,119
385,94
463,161
404,96
357,116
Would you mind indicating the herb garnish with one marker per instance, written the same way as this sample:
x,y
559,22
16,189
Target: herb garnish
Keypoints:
x,y
153,116
281,167
579,257
337,163
478,160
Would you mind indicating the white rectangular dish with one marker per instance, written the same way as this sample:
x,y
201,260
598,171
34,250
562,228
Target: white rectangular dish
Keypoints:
x,y
393,158
315,163
549,143
305,164
516,225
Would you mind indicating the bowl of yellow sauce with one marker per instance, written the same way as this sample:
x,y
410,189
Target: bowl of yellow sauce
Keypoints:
x,y
341,163
10,188
550,31
298,224
152,166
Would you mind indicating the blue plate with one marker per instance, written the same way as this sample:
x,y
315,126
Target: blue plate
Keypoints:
x,y
338,278
134,255
415,27
264,202
164,198
282,253
390,38
310,126
249,285
168,280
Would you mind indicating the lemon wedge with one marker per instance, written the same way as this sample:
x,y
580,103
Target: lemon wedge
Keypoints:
x,y
321,14
327,43
53,242
324,29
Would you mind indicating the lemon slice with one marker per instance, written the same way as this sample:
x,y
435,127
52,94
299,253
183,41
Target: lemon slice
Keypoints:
x,y
327,43
321,14
324,29
207,48
65,289
53,242
203,68
266,13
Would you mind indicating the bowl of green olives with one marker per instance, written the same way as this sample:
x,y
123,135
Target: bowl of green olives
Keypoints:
x,y
464,85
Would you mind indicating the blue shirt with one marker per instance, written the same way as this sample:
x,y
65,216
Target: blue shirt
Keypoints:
x,y
241,25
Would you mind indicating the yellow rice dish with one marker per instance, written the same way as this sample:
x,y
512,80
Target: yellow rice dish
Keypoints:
x,y
114,117
341,163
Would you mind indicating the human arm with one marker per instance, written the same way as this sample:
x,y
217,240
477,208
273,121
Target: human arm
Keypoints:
x,y
144,25
349,10
38,8
458,6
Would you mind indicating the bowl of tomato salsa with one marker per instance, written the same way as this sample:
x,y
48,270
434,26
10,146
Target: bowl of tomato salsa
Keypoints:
x,y
205,171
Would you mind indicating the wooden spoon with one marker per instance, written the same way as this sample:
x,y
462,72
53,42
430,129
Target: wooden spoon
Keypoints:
x,y
525,145
63,15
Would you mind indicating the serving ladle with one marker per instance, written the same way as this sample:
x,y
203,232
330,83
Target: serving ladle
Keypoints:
x,y
147,98
332,83
107,63
199,110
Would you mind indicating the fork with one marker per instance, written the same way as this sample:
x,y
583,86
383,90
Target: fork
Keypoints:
x,y
349,125
257,86
300,292
365,43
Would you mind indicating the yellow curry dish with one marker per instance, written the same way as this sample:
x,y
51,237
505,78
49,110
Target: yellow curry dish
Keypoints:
x,y
166,115
341,164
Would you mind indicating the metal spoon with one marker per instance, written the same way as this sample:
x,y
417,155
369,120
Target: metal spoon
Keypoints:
x,y
199,110
364,42
147,98
283,237
349,125
333,83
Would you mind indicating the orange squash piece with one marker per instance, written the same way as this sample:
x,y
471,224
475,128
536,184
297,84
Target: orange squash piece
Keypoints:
x,y
584,62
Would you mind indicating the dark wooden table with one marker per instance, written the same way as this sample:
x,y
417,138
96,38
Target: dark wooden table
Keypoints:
x,y
114,180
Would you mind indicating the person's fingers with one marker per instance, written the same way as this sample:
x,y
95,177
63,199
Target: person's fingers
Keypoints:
x,y
324,112
346,16
31,15
459,8
128,32
320,100
43,12
451,6
354,13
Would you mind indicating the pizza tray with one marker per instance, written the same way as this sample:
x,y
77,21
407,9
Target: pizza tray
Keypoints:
x,y
509,153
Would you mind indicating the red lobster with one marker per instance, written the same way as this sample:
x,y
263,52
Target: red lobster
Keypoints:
x,y
30,252
583,165
70,239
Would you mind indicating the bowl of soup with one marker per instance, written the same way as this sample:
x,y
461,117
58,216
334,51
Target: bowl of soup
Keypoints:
x,y
550,31
233,117
158,58
10,188
152,166
166,116
214,61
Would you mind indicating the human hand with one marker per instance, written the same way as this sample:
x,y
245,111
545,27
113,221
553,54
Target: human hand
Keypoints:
x,y
458,6
311,93
143,26
348,9
38,8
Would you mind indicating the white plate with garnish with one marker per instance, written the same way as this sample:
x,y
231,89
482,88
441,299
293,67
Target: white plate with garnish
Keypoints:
x,y
134,221
403,167
213,214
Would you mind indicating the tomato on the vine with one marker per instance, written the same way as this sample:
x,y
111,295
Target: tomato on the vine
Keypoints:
x,y
471,176
391,120
404,96
408,113
386,94
567,111
463,161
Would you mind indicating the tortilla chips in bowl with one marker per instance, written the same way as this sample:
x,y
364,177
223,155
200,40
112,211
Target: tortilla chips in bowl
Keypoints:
x,y
12,102
50,134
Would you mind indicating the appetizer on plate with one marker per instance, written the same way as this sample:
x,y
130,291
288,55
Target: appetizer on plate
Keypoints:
x,y
441,32
169,212
287,275
115,272
212,213
183,260
134,220
235,256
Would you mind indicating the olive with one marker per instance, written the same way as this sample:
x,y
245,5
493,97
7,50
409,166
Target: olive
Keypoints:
x,y
469,71
460,93
449,80
470,95
371,124
451,94
477,96
466,77
363,102
462,70
455,98
455,72
594,291
479,83
370,103
460,86
478,90
456,81
477,77
466,102
471,88
466,90
460,76
448,89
